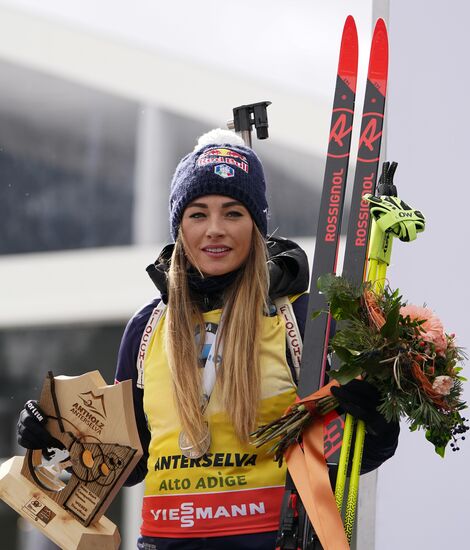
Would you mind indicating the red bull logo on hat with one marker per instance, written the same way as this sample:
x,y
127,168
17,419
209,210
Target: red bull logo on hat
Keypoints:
x,y
223,156
223,152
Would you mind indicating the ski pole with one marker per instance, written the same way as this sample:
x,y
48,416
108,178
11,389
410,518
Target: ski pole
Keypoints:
x,y
391,217
376,264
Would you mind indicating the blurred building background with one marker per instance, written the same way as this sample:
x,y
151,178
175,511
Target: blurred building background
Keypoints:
x,y
99,101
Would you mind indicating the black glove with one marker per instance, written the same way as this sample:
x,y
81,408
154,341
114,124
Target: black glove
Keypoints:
x,y
31,431
361,399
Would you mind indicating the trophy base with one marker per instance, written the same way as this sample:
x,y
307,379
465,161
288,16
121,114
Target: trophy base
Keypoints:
x,y
50,518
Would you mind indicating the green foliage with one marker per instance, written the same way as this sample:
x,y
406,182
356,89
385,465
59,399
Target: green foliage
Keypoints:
x,y
391,328
340,295
346,373
389,355
394,353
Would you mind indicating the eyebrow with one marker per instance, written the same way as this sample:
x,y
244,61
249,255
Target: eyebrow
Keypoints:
x,y
224,205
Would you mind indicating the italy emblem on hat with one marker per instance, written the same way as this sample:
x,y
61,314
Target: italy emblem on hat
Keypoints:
x,y
224,171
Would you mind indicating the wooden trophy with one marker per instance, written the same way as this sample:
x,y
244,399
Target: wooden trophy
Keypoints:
x,y
65,495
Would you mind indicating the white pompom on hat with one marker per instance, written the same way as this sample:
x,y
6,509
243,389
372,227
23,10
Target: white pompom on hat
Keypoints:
x,y
219,136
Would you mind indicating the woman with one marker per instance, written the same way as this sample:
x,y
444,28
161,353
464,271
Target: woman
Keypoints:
x,y
209,360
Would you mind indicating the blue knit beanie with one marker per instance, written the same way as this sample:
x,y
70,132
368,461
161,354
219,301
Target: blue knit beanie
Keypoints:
x,y
221,164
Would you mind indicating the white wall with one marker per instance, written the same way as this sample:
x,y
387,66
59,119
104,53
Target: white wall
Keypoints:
x,y
423,500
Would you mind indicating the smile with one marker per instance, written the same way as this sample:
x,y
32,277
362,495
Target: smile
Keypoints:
x,y
216,250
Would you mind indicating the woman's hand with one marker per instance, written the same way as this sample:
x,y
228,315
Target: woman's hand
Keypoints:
x,y
31,429
361,399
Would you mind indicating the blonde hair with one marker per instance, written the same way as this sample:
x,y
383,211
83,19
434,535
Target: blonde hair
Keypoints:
x,y
238,376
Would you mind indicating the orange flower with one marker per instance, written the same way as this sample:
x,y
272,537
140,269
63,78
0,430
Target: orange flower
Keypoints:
x,y
432,330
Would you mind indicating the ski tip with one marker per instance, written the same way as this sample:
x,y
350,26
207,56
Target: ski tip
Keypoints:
x,y
349,54
380,25
350,22
378,64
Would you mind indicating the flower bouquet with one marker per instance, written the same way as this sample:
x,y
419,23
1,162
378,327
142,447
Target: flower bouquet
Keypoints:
x,y
402,350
